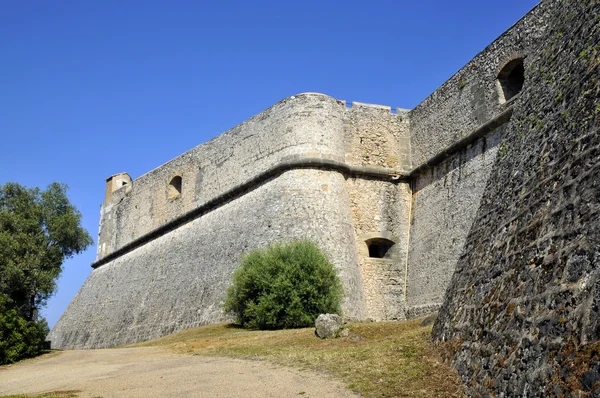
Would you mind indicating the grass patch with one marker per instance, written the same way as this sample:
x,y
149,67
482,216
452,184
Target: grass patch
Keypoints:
x,y
378,359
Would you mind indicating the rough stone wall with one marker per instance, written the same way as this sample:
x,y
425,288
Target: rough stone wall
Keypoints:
x,y
380,209
446,192
522,312
377,137
445,202
166,258
179,280
470,97
306,124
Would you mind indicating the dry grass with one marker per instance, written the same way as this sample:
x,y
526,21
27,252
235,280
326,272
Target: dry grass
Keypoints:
x,y
383,359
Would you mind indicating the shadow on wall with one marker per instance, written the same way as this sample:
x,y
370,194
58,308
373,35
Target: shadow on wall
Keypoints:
x,y
510,80
458,161
521,315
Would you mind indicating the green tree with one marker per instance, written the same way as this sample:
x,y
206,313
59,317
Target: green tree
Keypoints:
x,y
20,338
39,230
283,286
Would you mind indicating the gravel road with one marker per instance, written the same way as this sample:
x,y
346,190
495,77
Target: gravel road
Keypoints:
x,y
155,372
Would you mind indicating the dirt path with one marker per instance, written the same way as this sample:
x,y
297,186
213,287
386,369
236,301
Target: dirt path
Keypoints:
x,y
154,372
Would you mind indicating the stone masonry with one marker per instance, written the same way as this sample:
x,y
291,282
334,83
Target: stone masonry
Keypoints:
x,y
482,198
521,316
170,240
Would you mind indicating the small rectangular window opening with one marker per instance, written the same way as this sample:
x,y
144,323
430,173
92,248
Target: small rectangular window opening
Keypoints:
x,y
175,187
379,247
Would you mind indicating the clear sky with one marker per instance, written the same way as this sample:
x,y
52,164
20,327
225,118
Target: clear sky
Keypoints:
x,y
92,88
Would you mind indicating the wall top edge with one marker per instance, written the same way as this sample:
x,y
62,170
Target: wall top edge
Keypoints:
x,y
521,21
116,175
282,102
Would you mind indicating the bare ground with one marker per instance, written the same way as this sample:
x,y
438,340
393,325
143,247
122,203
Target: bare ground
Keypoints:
x,y
155,372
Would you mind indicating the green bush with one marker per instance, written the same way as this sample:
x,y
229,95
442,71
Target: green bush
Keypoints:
x,y
283,286
20,338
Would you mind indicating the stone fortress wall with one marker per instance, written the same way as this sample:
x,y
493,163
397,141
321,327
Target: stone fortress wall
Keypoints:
x,y
170,240
455,134
521,316
354,179
301,131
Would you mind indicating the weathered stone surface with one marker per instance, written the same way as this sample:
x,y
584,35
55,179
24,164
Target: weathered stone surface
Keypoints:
x,y
470,97
383,278
446,200
328,326
447,193
179,280
307,124
522,310
163,264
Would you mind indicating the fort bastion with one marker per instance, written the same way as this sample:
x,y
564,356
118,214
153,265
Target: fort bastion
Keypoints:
x,y
389,195
481,202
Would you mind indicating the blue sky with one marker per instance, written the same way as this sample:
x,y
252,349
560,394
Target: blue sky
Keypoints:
x,y
92,88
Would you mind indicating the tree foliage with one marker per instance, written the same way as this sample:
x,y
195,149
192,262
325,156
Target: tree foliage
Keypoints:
x,y
20,338
283,286
39,229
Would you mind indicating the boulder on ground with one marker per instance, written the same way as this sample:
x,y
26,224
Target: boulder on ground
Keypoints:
x,y
329,325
